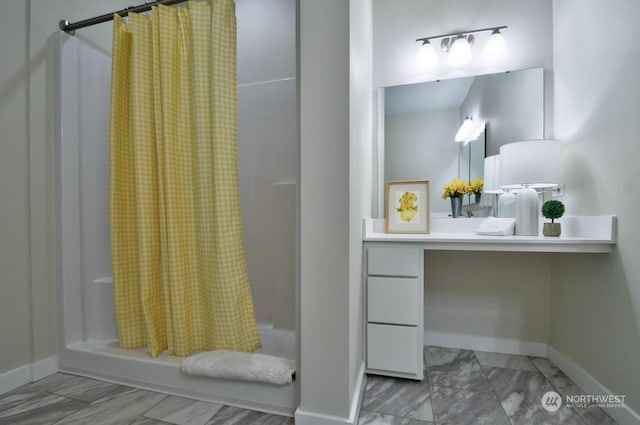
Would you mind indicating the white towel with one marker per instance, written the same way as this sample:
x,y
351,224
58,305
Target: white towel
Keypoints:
x,y
494,226
240,366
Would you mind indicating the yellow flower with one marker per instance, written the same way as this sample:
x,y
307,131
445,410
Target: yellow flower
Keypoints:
x,y
456,188
477,186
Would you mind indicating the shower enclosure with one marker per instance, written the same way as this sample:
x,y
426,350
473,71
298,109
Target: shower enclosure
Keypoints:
x,y
268,159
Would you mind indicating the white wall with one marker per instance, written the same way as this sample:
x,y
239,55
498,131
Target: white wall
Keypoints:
x,y
410,143
486,294
336,151
15,279
360,168
396,25
324,236
268,154
596,300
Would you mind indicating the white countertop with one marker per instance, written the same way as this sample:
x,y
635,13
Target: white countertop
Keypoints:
x,y
596,234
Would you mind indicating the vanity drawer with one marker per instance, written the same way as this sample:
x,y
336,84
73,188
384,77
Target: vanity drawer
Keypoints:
x,y
393,300
392,348
394,261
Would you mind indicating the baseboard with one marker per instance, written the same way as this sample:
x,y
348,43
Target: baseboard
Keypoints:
x,y
15,378
303,417
590,385
485,343
44,368
28,373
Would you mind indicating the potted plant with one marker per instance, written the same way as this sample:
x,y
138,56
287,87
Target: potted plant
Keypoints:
x,y
456,190
552,210
476,187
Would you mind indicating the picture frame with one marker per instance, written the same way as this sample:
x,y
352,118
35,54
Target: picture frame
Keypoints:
x,y
407,206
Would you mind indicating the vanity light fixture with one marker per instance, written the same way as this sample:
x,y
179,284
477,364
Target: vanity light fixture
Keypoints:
x,y
495,49
427,58
458,46
460,50
469,130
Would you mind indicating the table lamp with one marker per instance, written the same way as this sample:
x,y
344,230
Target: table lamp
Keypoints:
x,y
525,167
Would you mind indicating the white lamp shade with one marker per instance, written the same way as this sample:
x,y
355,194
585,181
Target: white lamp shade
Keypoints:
x,y
460,52
426,58
491,174
533,163
495,49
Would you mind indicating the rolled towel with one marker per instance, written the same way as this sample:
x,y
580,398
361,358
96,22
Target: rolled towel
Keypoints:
x,y
240,366
494,226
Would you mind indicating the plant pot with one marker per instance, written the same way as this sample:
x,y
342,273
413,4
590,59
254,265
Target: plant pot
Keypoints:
x,y
456,206
551,229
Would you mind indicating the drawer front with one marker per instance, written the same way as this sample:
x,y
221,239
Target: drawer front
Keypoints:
x,y
393,300
392,348
394,261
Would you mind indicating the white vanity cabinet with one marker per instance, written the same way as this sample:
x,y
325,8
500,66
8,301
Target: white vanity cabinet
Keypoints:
x,y
395,311
394,265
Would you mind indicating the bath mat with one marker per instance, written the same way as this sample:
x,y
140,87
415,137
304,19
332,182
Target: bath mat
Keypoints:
x,y
240,366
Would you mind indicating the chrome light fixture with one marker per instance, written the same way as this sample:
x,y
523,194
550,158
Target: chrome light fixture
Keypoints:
x,y
460,51
458,46
495,49
427,58
469,130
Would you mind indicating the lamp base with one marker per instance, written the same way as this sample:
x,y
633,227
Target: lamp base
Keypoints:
x,y
527,212
507,205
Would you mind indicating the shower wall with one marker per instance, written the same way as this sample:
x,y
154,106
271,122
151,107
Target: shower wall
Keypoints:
x,y
268,163
268,154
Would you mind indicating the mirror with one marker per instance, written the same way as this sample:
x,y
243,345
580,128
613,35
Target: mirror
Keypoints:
x,y
420,121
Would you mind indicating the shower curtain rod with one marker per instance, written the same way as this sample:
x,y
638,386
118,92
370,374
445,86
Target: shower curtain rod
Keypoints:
x,y
70,27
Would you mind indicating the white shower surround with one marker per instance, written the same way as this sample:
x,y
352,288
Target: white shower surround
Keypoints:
x,y
87,332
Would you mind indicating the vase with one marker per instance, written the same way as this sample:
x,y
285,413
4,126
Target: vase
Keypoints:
x,y
478,195
456,206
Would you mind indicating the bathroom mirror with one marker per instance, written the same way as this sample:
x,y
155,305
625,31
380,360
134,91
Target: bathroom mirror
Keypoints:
x,y
418,123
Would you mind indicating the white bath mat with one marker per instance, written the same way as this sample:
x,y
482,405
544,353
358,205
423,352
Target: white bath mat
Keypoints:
x,y
240,366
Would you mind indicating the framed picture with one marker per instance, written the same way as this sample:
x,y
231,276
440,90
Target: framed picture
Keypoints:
x,y
408,206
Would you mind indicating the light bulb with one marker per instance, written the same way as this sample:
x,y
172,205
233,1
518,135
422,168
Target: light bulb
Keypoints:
x,y
495,49
426,59
460,52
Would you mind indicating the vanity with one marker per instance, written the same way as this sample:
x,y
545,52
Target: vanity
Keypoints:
x,y
394,265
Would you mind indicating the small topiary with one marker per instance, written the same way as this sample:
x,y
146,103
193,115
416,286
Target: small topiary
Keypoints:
x,y
553,209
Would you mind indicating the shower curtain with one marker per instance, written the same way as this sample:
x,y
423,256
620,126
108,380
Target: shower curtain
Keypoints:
x,y
179,270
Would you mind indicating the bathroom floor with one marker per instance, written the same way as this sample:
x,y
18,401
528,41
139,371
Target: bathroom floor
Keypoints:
x,y
474,387
460,387
68,399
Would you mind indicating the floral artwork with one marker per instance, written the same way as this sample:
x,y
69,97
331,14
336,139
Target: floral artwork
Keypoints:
x,y
407,206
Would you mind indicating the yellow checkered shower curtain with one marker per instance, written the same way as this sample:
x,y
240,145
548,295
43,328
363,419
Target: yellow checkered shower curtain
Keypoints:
x,y
179,270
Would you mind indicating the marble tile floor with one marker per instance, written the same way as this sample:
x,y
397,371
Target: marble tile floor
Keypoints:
x,y
463,387
63,399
